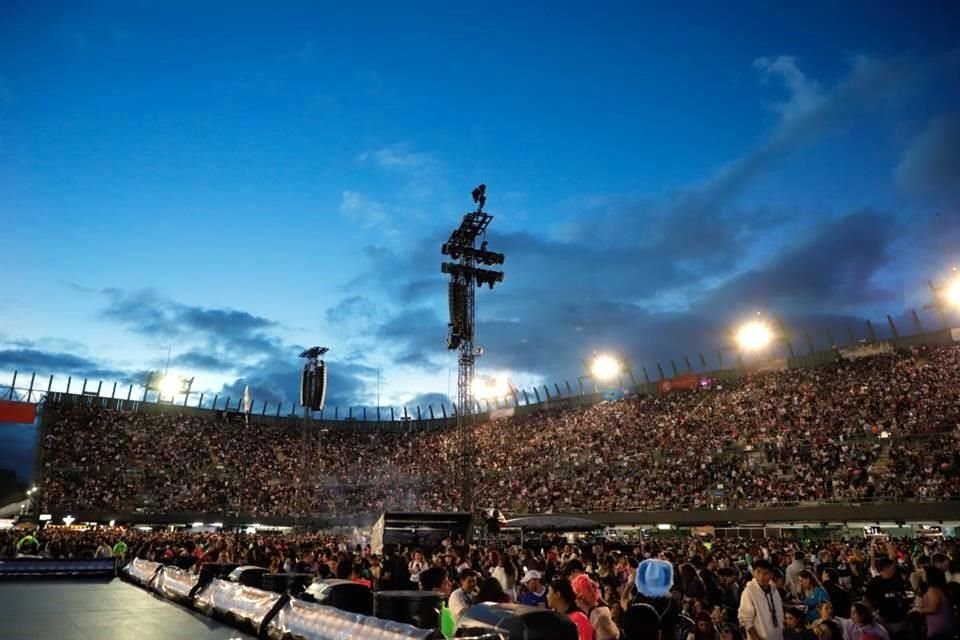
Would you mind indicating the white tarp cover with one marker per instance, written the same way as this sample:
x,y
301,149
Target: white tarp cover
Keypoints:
x,y
309,621
243,603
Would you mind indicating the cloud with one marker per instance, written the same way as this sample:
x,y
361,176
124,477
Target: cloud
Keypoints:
x,y
51,362
397,158
805,94
221,331
359,208
197,360
830,270
930,165
425,400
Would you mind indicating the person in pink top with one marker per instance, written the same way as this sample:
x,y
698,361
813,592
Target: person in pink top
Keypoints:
x,y
561,599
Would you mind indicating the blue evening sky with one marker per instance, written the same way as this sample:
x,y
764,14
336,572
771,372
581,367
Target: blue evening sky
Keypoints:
x,y
234,181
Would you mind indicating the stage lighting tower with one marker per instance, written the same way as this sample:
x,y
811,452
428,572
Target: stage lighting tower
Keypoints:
x,y
465,276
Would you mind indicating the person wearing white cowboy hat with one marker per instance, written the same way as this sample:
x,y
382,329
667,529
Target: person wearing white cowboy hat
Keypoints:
x,y
535,594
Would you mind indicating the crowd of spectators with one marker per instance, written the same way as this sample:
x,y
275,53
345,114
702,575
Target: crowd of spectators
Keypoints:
x,y
879,427
698,588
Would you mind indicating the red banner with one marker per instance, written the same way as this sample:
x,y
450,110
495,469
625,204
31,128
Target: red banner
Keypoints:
x,y
679,383
24,412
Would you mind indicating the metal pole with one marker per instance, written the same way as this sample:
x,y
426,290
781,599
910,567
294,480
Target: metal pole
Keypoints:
x,y
30,390
870,332
893,327
916,321
12,385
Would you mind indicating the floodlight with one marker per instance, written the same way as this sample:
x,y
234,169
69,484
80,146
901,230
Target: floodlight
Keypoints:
x,y
605,367
492,387
169,385
951,293
45,517
68,520
754,335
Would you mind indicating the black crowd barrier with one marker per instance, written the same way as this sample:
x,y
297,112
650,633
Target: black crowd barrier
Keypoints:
x,y
40,567
419,608
515,622
268,613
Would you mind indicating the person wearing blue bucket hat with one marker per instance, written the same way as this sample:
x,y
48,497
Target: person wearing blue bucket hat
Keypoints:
x,y
653,614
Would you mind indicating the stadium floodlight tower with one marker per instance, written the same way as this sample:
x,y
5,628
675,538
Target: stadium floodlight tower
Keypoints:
x,y
465,275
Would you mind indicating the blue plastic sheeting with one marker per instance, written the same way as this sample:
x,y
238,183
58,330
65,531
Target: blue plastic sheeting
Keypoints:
x,y
175,584
45,567
308,621
246,605
142,571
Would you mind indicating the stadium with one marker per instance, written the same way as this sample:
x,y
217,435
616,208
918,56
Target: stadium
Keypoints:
x,y
276,362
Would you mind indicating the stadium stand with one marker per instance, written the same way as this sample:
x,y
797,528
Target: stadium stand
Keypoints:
x,y
882,427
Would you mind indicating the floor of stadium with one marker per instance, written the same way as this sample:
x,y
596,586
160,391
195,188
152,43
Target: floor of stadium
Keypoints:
x,y
98,610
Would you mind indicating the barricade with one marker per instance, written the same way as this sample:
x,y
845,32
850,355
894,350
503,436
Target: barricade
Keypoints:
x,y
237,603
38,567
143,572
176,584
300,620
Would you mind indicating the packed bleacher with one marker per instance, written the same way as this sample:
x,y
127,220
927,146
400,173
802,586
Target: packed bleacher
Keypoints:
x,y
871,428
696,588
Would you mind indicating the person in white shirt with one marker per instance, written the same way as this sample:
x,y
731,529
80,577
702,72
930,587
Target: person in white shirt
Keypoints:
x,y
418,564
793,572
462,598
761,610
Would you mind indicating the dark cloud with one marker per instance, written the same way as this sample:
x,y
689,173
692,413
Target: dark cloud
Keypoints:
x,y
931,163
48,362
197,360
832,269
236,332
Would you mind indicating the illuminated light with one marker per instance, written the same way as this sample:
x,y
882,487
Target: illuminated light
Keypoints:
x,y
664,527
169,385
605,367
218,525
884,435
113,523
250,531
45,517
68,520
197,524
952,292
492,387
754,335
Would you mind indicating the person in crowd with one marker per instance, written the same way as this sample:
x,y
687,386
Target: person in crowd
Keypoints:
x,y
861,623
704,628
589,600
463,597
534,593
795,625
761,610
417,564
938,611
887,594
811,594
839,596
793,573
506,573
826,625
560,598
491,590
435,579
652,614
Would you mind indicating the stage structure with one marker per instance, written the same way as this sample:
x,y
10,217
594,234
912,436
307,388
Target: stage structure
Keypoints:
x,y
465,276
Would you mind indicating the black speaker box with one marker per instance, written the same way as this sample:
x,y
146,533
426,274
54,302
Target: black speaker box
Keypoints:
x,y
345,595
419,608
515,622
